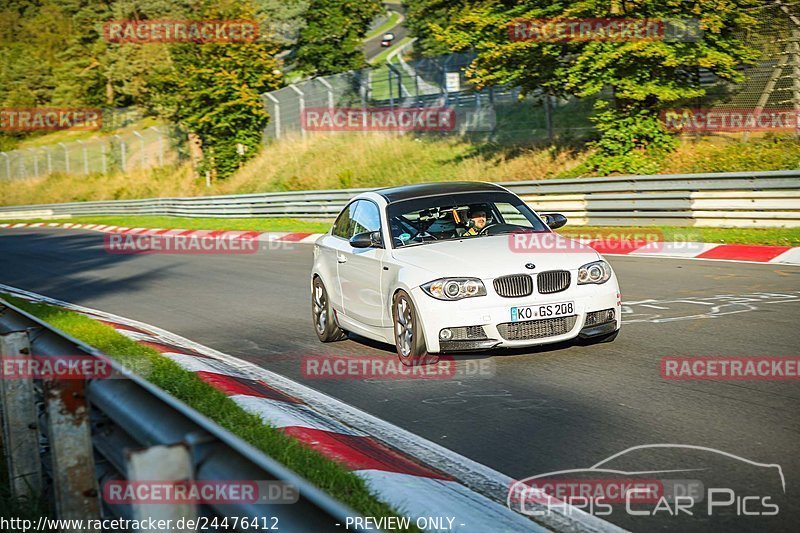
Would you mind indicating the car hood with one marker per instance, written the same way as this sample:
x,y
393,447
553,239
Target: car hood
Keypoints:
x,y
492,256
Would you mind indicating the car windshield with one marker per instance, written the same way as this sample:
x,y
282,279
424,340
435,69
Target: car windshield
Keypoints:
x,y
460,216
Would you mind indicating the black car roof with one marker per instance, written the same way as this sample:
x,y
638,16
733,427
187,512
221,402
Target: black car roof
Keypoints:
x,y
421,190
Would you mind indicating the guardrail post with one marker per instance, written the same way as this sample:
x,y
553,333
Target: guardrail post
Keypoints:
x,y
160,145
302,101
276,114
103,157
121,152
85,158
548,116
66,157
162,463
69,434
393,70
49,159
8,164
363,95
20,425
141,144
35,162
329,90
445,92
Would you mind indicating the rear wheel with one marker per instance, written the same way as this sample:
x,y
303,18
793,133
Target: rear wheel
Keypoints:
x,y
322,314
408,338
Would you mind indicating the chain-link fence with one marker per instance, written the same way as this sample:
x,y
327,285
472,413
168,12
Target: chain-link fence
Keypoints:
x,y
400,83
132,150
774,81
498,113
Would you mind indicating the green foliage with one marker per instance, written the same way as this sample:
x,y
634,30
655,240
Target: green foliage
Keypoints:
x,y
423,17
631,142
53,53
283,19
213,91
332,39
641,76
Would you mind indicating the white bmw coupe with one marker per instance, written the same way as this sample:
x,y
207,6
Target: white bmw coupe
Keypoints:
x,y
458,266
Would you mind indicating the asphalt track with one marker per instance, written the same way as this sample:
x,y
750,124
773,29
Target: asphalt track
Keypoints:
x,y
543,410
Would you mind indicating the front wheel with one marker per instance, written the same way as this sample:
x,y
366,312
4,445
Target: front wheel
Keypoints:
x,y
322,314
408,338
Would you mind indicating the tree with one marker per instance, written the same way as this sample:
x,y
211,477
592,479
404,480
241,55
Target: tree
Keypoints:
x,y
284,19
422,16
214,92
643,76
333,37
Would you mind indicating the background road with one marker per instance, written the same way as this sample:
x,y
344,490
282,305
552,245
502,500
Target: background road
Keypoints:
x,y
372,47
559,407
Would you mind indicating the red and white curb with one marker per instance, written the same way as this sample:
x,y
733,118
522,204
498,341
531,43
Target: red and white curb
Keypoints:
x,y
266,236
750,253
417,477
676,250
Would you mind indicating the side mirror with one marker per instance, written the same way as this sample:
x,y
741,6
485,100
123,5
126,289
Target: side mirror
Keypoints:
x,y
554,220
367,239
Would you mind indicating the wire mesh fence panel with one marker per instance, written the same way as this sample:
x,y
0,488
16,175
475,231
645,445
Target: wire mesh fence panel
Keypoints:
x,y
133,150
500,114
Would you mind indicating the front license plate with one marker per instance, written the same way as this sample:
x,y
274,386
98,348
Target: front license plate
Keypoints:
x,y
537,312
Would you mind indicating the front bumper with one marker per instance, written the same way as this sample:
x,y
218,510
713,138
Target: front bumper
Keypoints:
x,y
492,310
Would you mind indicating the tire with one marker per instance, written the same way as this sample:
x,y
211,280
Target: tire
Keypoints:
x,y
322,315
408,338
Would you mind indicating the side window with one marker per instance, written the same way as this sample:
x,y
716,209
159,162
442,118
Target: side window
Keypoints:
x,y
367,218
343,225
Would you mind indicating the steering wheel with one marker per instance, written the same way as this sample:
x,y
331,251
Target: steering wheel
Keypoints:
x,y
485,230
497,228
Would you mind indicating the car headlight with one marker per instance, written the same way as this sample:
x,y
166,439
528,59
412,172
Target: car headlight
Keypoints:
x,y
454,288
596,272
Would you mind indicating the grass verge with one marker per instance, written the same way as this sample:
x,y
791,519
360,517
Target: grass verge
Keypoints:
x,y
374,160
394,16
326,474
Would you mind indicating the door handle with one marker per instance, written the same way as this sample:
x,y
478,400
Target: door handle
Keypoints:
x,y
341,259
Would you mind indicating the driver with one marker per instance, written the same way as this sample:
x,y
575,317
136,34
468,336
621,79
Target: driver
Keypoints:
x,y
477,221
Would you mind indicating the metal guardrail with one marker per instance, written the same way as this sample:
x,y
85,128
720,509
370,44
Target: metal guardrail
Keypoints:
x,y
69,437
734,199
